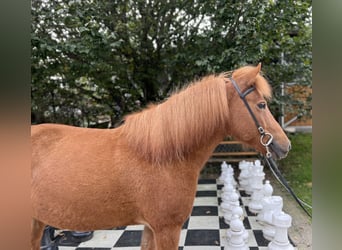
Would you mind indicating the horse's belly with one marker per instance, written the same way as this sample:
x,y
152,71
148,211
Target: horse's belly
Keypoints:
x,y
86,214
83,205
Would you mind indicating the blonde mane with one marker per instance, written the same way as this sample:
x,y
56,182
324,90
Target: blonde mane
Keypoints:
x,y
171,130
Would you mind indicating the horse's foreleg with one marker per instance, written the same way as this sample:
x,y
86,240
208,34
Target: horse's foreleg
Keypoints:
x,y
147,239
37,229
167,238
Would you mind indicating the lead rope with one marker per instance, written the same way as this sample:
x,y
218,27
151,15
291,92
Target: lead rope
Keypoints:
x,y
276,172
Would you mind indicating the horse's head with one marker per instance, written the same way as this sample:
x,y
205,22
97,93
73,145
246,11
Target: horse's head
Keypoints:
x,y
248,95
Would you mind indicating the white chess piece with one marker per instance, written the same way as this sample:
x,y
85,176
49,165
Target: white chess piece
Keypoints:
x,y
226,192
224,168
235,235
258,166
229,207
244,174
229,176
271,205
239,212
282,222
267,191
255,205
247,187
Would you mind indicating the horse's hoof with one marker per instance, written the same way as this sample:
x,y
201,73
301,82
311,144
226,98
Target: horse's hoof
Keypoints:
x,y
79,237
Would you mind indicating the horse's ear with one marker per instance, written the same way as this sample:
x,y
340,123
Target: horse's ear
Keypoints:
x,y
247,74
258,67
253,73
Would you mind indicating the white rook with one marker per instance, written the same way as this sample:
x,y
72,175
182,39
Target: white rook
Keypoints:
x,y
272,205
282,222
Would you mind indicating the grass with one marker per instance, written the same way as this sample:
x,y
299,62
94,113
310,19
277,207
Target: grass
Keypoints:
x,y
297,166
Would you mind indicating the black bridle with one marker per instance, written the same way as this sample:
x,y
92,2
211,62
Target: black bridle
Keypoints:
x,y
265,137
269,137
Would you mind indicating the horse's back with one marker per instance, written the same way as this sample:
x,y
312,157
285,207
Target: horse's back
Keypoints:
x,y
50,131
49,141
59,137
56,147
41,131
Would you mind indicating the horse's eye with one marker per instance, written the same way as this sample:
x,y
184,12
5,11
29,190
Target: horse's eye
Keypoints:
x,y
261,105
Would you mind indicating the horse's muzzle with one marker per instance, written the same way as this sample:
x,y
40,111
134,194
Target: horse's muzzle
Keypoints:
x,y
279,151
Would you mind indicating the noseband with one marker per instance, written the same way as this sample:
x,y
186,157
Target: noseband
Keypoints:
x,y
263,135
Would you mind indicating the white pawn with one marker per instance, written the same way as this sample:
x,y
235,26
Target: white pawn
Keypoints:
x,y
258,166
233,176
239,212
224,168
235,235
267,191
229,177
227,190
242,166
226,194
282,222
229,207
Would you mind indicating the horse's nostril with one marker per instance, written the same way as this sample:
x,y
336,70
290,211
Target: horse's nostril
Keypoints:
x,y
289,148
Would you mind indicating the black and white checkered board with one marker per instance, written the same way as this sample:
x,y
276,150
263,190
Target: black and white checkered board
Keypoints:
x,y
204,230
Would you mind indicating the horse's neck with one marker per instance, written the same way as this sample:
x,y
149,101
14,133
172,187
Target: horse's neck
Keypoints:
x,y
199,157
187,123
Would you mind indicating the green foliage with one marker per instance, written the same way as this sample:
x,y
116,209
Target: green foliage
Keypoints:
x,y
93,59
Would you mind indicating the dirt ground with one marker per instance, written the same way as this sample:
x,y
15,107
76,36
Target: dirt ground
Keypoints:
x,y
301,229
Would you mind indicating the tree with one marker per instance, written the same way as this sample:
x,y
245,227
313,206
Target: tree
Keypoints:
x,y
102,59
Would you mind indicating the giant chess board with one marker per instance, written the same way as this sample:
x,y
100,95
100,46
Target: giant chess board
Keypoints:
x,y
204,230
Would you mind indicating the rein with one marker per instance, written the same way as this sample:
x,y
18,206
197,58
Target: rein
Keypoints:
x,y
269,138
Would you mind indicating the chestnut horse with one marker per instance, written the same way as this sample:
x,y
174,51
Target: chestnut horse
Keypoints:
x,y
145,171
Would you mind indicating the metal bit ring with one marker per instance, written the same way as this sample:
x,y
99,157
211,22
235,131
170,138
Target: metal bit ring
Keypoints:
x,y
269,139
